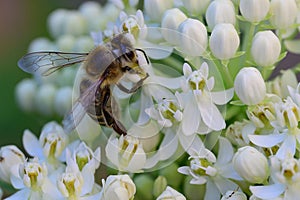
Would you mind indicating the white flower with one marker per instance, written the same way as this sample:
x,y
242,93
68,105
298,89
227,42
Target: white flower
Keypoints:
x,y
10,158
200,113
283,13
286,129
51,145
118,187
224,41
44,99
25,93
156,8
205,168
265,48
286,177
254,10
32,180
193,37
170,193
63,100
220,11
126,153
170,22
196,7
41,44
238,132
251,165
250,86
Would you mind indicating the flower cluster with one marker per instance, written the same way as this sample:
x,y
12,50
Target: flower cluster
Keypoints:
x,y
207,118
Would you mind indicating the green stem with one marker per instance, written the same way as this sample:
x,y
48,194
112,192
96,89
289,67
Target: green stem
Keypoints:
x,y
227,77
248,42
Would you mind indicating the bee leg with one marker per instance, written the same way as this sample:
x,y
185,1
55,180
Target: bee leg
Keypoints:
x,y
135,87
107,113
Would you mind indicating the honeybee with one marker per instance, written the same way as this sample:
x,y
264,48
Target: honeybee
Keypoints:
x,y
104,66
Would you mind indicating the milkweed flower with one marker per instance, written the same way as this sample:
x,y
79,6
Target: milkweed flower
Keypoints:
x,y
155,8
170,193
195,7
199,101
11,158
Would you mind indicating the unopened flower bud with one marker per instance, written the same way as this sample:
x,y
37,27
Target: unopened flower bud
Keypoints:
x,y
283,13
156,8
254,10
220,11
196,7
265,48
224,41
44,99
193,40
249,86
251,164
160,184
66,43
118,187
170,23
41,44
170,193
10,156
63,100
25,93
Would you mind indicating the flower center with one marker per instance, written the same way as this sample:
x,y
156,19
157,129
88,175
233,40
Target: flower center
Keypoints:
x,y
197,81
82,158
202,167
169,110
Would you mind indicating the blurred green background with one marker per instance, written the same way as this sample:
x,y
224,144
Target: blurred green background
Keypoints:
x,y
20,22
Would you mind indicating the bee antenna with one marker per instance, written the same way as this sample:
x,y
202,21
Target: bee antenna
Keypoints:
x,y
141,50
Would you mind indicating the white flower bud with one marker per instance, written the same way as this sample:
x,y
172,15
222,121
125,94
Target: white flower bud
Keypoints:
x,y
250,86
41,44
126,153
196,7
44,99
234,195
193,40
265,48
56,21
63,100
66,43
170,193
25,93
83,44
220,11
118,187
251,164
156,8
10,156
283,13
75,24
224,41
254,10
170,23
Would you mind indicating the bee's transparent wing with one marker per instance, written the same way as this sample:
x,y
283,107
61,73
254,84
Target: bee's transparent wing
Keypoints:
x,y
46,62
74,117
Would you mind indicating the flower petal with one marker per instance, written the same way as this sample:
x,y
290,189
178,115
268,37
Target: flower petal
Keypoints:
x,y
191,119
224,185
287,146
32,145
212,191
268,192
22,194
222,97
225,152
155,51
267,140
210,114
168,146
190,143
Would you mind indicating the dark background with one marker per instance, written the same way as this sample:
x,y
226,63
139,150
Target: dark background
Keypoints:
x,y
21,21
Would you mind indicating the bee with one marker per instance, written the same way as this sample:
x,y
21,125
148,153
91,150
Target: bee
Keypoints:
x,y
104,66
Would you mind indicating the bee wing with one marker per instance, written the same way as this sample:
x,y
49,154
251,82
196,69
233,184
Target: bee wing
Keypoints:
x,y
45,63
74,117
